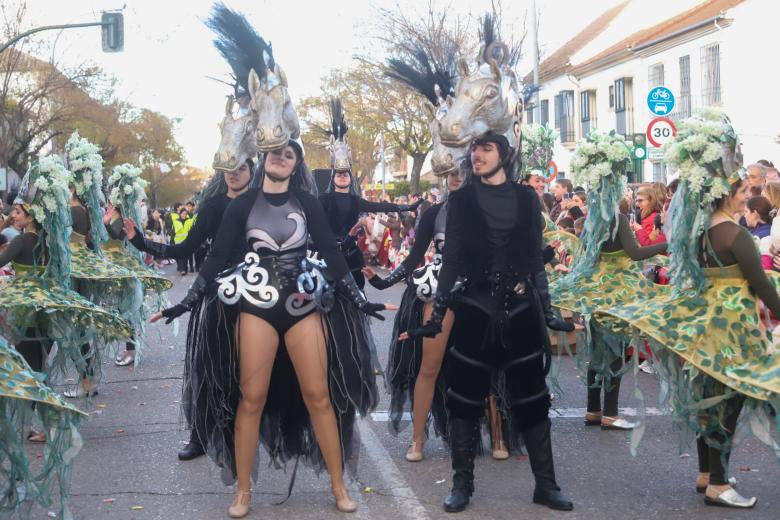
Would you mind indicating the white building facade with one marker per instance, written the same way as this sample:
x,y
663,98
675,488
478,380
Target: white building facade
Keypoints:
x,y
711,56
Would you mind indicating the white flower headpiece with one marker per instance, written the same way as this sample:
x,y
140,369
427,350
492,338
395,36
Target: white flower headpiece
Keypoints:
x,y
125,185
600,155
706,153
537,149
85,163
49,192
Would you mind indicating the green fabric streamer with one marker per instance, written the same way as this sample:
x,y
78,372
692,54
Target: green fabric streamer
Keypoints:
x,y
20,484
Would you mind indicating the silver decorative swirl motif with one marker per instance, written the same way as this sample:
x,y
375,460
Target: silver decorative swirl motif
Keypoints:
x,y
299,304
426,279
248,281
264,240
313,283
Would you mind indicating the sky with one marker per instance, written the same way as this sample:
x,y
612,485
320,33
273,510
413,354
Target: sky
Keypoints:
x,y
169,57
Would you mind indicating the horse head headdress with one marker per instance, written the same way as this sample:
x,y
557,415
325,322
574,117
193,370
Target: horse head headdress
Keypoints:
x,y
340,153
434,80
487,98
266,119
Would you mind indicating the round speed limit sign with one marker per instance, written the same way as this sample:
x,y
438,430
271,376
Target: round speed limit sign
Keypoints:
x,y
660,131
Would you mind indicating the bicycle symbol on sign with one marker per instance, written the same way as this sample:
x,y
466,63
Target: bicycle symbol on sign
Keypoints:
x,y
661,94
660,100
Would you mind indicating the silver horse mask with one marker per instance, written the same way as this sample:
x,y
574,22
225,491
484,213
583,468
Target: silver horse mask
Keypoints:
x,y
277,121
238,135
487,98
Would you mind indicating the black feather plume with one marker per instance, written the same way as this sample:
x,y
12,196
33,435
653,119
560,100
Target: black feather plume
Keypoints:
x,y
423,73
488,32
239,43
338,126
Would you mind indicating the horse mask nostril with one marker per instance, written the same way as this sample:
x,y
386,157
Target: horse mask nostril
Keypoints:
x,y
278,131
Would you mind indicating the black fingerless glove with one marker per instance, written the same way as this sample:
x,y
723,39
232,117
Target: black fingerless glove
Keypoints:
x,y
548,254
351,289
433,326
409,207
393,278
543,290
193,296
155,248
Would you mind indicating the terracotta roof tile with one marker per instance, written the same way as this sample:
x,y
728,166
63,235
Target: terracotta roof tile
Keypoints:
x,y
558,62
696,14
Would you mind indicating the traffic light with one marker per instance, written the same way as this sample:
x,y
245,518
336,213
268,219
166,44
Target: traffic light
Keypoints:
x,y
639,150
113,32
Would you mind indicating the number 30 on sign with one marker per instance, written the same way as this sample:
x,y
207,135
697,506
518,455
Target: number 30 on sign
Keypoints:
x,y
660,131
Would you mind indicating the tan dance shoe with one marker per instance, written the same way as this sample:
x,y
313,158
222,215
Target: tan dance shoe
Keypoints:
x,y
343,501
415,452
240,506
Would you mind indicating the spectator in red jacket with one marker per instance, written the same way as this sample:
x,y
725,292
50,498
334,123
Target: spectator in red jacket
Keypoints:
x,y
649,232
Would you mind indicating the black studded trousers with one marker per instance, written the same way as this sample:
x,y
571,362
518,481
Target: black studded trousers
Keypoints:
x,y
500,339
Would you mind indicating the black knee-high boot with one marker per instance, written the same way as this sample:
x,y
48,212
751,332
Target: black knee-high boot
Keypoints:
x,y
463,441
539,446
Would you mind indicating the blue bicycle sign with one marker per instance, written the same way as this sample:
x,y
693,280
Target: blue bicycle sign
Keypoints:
x,y
660,101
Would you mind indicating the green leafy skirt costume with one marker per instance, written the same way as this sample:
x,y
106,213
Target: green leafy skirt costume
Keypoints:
x,y
20,481
717,335
33,308
151,280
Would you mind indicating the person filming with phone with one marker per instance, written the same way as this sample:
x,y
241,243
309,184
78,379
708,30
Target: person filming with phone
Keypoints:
x,y
561,190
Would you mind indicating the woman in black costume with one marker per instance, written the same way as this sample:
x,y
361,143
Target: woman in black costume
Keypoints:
x,y
413,367
269,227
341,203
494,241
226,186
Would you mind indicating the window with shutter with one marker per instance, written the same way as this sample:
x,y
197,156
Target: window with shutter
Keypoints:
x,y
655,75
684,99
710,71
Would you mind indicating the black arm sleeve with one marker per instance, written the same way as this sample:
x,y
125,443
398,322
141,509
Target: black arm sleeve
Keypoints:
x,y
745,251
631,246
453,249
230,232
366,206
322,235
536,262
196,237
422,238
13,250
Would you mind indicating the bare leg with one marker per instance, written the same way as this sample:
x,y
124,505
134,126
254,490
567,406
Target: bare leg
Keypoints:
x,y
499,450
425,384
258,343
305,343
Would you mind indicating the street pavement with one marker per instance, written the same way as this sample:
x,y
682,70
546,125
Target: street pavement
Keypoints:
x,y
128,467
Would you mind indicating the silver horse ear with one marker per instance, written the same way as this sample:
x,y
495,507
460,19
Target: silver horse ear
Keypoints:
x,y
495,69
254,85
481,54
282,76
229,105
429,109
463,68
